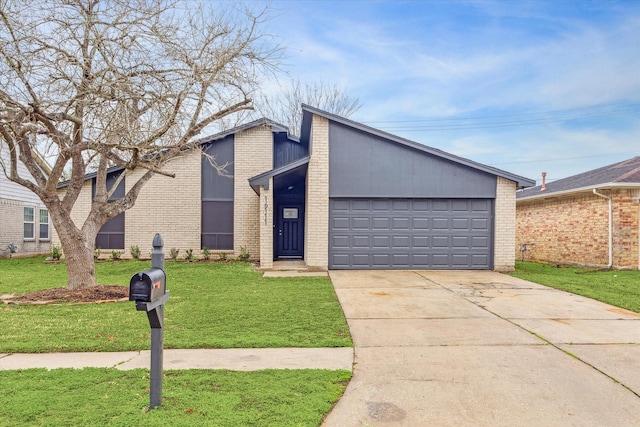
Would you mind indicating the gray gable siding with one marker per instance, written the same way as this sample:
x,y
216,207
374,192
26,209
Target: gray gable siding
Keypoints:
x,y
287,150
366,165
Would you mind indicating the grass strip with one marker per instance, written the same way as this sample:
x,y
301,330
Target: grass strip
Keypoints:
x,y
109,397
616,287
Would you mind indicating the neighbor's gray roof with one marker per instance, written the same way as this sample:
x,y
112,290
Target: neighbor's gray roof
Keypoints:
x,y
307,110
622,174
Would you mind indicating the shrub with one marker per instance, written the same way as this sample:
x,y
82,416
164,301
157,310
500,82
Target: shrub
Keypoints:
x,y
206,253
173,253
223,256
96,252
115,255
244,255
56,252
188,256
135,252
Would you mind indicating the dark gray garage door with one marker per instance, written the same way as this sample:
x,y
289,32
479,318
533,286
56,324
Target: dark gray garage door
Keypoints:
x,y
411,233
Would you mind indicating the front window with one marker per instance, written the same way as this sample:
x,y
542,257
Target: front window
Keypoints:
x,y
44,224
29,222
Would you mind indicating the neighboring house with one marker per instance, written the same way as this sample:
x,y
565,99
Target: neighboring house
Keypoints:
x,y
24,220
342,196
589,219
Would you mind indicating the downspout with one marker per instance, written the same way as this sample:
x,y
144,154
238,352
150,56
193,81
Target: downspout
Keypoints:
x,y
595,191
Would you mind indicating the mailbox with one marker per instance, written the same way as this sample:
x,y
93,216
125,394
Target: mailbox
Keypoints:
x,y
147,286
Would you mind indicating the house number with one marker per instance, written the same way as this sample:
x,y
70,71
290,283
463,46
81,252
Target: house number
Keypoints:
x,y
290,213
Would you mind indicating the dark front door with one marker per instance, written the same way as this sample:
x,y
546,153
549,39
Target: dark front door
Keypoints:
x,y
290,231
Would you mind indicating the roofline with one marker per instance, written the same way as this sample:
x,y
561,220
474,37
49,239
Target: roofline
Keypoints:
x,y
521,182
604,186
263,178
262,121
89,176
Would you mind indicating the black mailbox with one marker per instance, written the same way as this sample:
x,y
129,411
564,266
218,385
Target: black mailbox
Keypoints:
x,y
147,286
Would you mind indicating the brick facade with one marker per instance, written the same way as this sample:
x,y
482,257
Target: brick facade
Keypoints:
x,y
253,154
316,239
79,212
504,225
266,226
169,206
165,205
574,229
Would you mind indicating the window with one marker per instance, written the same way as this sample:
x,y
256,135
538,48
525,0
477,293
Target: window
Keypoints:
x,y
29,223
217,197
111,235
44,224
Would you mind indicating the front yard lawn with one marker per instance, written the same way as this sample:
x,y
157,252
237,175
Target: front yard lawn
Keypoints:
x,y
615,287
212,305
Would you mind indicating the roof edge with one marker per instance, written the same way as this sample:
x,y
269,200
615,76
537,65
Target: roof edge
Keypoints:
x,y
521,182
263,178
605,186
262,121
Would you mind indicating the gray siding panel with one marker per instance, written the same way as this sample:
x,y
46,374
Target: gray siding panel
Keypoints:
x,y
365,165
286,151
218,195
111,234
411,233
218,185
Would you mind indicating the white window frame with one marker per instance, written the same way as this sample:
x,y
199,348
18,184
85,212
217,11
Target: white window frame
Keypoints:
x,y
40,224
32,222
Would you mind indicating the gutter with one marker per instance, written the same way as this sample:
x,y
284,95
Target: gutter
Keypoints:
x,y
595,191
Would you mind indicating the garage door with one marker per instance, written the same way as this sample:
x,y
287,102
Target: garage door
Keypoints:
x,y
410,233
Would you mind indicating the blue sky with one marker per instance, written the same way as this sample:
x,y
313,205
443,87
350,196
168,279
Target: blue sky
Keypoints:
x,y
525,86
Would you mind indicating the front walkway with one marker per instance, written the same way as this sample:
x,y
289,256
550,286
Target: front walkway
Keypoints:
x,y
243,359
473,348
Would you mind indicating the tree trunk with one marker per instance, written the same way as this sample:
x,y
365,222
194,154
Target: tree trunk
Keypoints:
x,y
77,248
80,265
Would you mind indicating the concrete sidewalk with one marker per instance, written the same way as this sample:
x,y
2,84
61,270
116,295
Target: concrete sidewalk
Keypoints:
x,y
250,359
478,348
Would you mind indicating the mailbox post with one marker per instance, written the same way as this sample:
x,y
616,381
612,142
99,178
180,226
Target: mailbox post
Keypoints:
x,y
148,289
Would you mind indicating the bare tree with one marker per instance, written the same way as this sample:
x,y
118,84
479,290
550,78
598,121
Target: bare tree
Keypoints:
x,y
127,83
286,108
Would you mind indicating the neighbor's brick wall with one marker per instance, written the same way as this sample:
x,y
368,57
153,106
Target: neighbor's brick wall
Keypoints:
x,y
316,239
12,230
253,155
626,229
169,206
574,230
266,226
505,225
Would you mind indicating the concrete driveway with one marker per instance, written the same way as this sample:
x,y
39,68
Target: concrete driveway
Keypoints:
x,y
478,348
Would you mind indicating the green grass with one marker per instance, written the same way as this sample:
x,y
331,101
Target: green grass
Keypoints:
x,y
212,305
108,397
619,288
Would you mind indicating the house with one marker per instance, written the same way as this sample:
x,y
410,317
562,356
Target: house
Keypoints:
x,y
24,220
589,219
341,196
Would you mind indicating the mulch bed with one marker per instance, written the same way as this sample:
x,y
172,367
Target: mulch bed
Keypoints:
x,y
87,295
